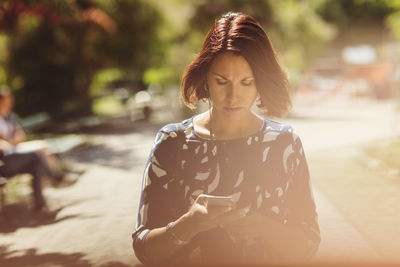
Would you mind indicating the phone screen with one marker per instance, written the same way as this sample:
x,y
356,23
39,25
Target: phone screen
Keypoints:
x,y
219,200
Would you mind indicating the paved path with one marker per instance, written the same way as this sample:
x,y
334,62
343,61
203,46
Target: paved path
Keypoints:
x,y
357,207
94,218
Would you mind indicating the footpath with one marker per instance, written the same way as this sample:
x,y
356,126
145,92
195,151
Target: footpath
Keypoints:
x,y
92,220
358,206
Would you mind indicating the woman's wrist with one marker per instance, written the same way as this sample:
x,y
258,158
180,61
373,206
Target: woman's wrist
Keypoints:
x,y
183,228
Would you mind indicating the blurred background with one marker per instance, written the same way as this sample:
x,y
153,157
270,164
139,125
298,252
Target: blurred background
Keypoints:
x,y
92,57
97,78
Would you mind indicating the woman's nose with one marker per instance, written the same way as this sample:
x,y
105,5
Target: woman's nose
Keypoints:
x,y
233,91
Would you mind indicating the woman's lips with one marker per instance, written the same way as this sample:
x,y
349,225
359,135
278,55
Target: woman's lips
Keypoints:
x,y
232,109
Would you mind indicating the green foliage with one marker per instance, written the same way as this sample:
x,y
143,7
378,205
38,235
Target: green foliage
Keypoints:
x,y
393,22
3,58
58,54
102,78
343,12
347,14
3,75
18,189
55,49
207,11
29,22
163,75
135,44
296,31
387,152
107,105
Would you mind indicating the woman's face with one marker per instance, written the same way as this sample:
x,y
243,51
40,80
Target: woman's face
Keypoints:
x,y
3,107
232,85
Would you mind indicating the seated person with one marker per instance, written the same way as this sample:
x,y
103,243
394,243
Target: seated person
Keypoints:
x,y
12,133
18,156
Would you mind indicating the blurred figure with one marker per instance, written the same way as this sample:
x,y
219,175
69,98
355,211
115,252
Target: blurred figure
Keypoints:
x,y
12,132
18,156
143,100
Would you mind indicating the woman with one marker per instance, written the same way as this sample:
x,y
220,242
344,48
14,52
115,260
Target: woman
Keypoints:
x,y
227,181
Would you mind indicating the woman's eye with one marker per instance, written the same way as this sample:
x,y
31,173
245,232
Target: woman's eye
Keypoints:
x,y
221,82
247,83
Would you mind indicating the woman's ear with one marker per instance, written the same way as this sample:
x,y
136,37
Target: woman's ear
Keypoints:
x,y
205,85
258,98
258,101
206,89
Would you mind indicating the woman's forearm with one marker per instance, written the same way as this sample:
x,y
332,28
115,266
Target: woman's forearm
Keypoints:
x,y
160,245
19,136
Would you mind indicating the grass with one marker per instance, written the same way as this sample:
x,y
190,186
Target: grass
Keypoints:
x,y
107,105
364,189
386,155
18,189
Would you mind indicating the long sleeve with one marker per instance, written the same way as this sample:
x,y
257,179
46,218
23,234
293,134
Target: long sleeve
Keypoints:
x,y
300,201
156,206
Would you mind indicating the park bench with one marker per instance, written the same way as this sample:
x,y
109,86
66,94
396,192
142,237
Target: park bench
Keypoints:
x,y
35,121
59,144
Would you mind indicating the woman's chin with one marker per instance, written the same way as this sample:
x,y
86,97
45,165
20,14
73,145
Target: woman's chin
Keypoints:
x,y
233,110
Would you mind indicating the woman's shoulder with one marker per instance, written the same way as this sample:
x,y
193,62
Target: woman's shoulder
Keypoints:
x,y
175,130
276,127
177,127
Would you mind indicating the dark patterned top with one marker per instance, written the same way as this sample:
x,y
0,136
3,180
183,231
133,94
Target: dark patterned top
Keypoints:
x,y
266,171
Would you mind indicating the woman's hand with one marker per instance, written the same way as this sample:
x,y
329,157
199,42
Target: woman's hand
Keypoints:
x,y
208,212
19,136
4,145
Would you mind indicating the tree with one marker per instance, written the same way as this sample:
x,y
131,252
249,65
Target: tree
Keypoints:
x,y
296,30
56,47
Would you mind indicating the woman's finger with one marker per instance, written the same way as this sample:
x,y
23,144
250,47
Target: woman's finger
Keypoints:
x,y
201,199
220,201
229,216
214,211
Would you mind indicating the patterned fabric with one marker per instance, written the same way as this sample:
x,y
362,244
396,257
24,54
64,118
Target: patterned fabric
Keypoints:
x,y
8,126
266,172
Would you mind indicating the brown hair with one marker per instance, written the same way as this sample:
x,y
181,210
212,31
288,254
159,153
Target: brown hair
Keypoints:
x,y
244,36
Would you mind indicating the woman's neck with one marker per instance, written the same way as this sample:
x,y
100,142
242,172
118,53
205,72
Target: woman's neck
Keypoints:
x,y
4,114
222,127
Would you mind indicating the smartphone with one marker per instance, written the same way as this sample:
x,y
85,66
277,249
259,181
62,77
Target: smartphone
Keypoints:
x,y
219,200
